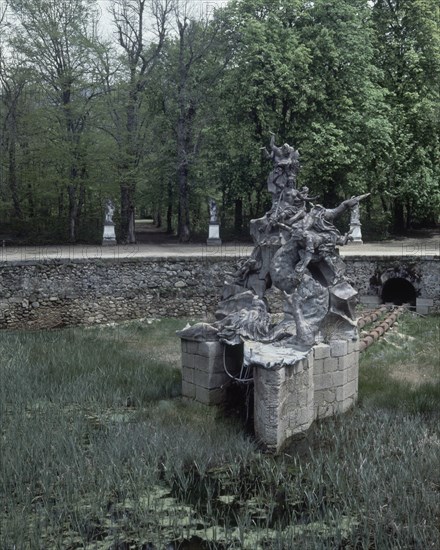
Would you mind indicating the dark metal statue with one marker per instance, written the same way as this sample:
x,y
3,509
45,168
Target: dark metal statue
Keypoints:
x,y
295,251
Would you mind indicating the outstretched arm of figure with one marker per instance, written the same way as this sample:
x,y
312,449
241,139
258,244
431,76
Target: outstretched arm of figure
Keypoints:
x,y
332,213
276,151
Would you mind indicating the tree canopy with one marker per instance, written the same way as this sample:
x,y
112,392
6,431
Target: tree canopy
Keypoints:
x,y
171,106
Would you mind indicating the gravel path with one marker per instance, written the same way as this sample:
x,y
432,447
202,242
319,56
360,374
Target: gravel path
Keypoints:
x,y
397,247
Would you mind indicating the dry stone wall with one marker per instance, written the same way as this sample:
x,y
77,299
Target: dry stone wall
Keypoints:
x,y
54,293
60,293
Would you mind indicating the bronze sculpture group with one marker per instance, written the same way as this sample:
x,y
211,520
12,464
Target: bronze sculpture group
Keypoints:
x,y
295,251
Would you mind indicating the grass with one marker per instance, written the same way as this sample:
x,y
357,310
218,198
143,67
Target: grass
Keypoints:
x,y
402,370
100,452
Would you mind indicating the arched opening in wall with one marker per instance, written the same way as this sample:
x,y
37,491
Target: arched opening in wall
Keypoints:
x,y
399,291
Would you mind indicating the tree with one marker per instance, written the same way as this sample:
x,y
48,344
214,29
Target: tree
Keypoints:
x,y
195,62
141,28
13,83
305,71
408,53
58,43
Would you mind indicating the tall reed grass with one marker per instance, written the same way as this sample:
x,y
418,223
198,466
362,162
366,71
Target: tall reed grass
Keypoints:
x,y
98,451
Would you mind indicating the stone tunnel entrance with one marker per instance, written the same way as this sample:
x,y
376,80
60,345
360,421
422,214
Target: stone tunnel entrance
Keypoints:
x,y
399,291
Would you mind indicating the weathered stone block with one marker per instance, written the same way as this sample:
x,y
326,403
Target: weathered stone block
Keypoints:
x,y
322,381
352,374
340,393
187,374
191,347
331,364
210,349
337,379
330,395
272,377
321,351
298,417
188,359
209,397
350,389
318,366
424,302
325,410
338,348
352,345
283,404
209,364
319,398
347,404
188,390
209,380
347,361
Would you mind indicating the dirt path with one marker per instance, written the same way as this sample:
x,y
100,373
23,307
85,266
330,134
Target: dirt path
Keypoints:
x,y
154,242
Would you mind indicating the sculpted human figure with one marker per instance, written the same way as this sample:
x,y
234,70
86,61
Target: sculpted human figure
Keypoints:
x,y
312,233
213,214
285,168
109,211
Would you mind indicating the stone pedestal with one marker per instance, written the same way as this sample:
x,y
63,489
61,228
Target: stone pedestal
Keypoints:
x,y
214,234
203,375
292,388
355,232
335,376
283,401
109,237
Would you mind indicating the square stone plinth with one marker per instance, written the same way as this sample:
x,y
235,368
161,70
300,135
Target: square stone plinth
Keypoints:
x,y
203,375
283,401
335,377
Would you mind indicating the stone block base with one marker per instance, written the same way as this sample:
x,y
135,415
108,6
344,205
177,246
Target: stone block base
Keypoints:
x,y
335,376
203,374
109,237
290,391
283,402
214,235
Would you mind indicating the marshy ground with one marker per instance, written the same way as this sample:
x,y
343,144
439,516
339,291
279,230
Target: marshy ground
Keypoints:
x,y
98,451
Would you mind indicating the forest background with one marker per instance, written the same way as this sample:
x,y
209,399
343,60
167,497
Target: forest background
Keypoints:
x,y
161,104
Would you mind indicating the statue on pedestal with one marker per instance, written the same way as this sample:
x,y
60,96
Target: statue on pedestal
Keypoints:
x,y
295,251
109,237
214,225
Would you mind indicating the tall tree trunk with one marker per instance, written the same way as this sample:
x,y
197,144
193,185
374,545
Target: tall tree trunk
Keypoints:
x,y
238,215
170,206
182,178
399,217
13,179
158,218
73,212
127,215
184,226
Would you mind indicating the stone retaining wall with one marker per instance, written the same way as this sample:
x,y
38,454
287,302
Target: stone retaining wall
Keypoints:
x,y
370,273
63,293
53,293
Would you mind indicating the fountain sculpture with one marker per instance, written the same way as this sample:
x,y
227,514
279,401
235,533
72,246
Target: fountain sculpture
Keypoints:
x,y
305,365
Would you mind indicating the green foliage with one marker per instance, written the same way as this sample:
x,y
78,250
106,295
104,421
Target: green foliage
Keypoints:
x,y
354,85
